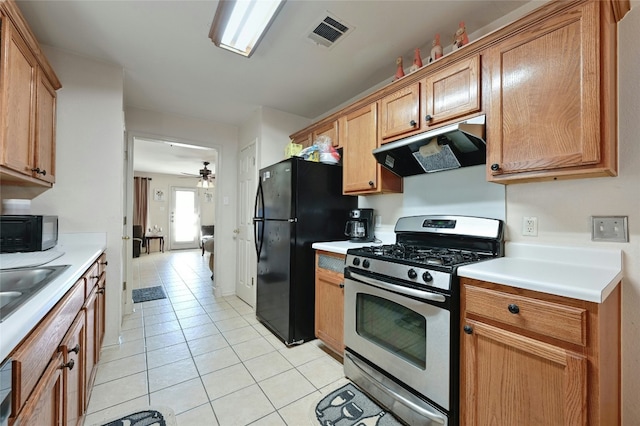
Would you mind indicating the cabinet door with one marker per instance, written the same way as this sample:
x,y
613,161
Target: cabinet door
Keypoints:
x,y
400,113
330,130
510,379
329,309
452,92
73,351
45,406
545,100
359,137
19,68
45,138
90,309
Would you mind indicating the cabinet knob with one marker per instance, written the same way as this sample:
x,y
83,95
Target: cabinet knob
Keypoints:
x,y
43,172
495,167
105,263
100,290
76,349
428,117
68,365
371,183
37,170
468,329
341,285
513,308
413,123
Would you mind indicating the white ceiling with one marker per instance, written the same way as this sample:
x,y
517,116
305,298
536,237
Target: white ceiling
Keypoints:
x,y
170,64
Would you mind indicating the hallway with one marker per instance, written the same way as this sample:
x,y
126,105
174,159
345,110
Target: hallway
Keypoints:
x,y
206,358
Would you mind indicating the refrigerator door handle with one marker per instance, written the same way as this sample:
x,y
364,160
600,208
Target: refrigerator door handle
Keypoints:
x,y
256,220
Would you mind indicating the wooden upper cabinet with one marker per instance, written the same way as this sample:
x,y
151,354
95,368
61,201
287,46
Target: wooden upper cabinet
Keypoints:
x,y
553,98
28,117
452,92
358,133
19,72
45,137
303,138
400,113
329,129
361,173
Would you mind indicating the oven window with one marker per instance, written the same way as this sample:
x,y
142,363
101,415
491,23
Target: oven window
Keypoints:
x,y
394,327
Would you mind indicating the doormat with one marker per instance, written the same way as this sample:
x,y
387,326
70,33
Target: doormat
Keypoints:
x,y
147,294
348,406
157,416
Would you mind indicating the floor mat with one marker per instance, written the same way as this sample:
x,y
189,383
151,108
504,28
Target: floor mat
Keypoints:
x,y
348,406
158,416
147,294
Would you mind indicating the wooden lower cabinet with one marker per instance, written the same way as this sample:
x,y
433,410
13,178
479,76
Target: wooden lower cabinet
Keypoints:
x,y
54,366
46,405
329,309
530,358
73,349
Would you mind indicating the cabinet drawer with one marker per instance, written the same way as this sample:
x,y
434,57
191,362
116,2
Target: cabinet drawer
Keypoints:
x,y
91,278
33,355
561,322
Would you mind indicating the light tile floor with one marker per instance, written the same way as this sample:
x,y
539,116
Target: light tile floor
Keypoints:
x,y
206,357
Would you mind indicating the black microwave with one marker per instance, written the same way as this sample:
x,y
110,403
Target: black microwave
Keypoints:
x,y
27,233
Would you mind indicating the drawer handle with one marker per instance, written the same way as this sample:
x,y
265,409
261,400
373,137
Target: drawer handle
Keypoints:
x,y
513,308
76,349
468,329
68,365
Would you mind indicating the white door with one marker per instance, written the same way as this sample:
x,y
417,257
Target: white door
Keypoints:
x,y
184,228
247,269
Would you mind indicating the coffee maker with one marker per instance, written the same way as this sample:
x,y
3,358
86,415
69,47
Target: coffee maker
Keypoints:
x,y
359,227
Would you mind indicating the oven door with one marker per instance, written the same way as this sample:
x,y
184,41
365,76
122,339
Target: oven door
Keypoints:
x,y
405,337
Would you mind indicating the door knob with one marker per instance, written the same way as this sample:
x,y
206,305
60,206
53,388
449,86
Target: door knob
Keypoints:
x,y
236,231
126,237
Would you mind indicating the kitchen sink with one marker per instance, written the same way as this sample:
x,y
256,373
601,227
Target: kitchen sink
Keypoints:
x,y
19,285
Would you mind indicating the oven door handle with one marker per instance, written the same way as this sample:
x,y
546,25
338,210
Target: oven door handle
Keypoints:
x,y
435,417
407,291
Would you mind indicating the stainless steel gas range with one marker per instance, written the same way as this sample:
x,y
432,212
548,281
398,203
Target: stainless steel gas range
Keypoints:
x,y
402,313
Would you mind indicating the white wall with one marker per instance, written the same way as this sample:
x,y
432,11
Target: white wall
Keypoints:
x,y
271,128
88,194
224,138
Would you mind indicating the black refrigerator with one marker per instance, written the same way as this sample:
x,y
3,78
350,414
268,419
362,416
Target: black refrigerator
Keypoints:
x,y
298,203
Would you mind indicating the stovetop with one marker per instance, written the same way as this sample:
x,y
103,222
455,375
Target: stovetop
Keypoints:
x,y
429,249
424,256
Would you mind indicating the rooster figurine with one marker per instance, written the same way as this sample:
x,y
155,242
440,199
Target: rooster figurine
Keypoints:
x,y
400,70
436,50
460,38
417,61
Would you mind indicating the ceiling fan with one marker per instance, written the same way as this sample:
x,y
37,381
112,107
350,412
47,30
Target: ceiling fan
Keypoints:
x,y
206,176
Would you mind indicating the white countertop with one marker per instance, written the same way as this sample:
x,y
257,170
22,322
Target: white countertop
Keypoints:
x,y
341,247
578,272
80,251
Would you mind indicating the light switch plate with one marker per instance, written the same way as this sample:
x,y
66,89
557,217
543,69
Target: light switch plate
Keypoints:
x,y
610,229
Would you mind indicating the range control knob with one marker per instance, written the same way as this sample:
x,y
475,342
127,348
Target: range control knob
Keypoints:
x,y
366,263
356,261
412,274
427,277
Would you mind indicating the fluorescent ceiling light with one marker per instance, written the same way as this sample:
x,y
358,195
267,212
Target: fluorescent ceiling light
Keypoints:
x,y
184,145
239,25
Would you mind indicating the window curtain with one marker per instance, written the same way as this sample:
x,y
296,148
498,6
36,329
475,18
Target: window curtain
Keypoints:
x,y
141,202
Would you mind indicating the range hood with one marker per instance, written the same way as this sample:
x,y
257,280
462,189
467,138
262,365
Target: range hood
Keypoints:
x,y
450,147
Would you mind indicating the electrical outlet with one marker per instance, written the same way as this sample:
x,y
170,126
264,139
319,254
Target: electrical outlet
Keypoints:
x,y
609,228
530,226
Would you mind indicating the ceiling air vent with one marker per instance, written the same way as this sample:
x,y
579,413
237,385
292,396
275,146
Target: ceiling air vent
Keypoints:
x,y
328,31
